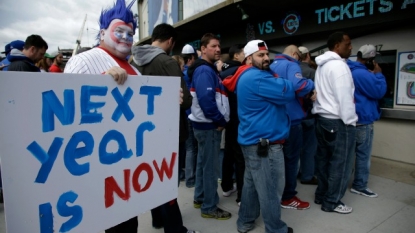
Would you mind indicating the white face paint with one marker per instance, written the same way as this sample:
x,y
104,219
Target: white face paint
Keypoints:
x,y
118,36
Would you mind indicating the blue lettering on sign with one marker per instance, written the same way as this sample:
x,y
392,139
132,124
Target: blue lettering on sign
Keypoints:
x,y
151,92
386,6
52,106
265,27
123,107
89,112
110,158
145,126
46,218
81,144
46,159
67,211
352,10
72,152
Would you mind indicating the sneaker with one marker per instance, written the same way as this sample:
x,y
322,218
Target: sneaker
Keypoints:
x,y
318,202
365,192
228,193
341,209
218,214
197,204
313,181
192,231
295,203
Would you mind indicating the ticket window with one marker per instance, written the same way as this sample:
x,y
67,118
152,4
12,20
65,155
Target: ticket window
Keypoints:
x,y
387,61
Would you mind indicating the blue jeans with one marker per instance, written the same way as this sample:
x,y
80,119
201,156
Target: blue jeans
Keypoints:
x,y
207,168
191,157
264,180
309,149
364,140
292,149
334,160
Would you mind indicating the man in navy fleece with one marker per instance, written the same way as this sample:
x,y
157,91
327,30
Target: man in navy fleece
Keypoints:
x,y
287,66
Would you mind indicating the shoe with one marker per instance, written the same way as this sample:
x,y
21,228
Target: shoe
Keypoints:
x,y
239,204
219,180
228,193
318,202
1,196
313,181
290,230
365,192
218,214
295,203
192,231
341,209
197,204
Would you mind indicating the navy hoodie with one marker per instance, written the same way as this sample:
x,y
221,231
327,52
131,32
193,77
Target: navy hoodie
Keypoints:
x,y
19,62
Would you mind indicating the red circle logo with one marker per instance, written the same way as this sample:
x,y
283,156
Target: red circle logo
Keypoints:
x,y
291,24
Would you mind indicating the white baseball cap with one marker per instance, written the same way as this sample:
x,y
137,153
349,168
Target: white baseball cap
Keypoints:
x,y
303,49
188,49
368,51
254,46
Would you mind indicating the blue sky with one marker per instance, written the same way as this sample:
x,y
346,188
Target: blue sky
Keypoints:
x,y
57,21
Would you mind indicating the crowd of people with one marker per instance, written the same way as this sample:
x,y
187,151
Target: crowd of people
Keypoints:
x,y
283,118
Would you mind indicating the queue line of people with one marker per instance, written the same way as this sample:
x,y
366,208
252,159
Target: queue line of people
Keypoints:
x,y
262,106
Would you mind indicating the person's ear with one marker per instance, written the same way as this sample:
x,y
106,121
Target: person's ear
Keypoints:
x,y
101,34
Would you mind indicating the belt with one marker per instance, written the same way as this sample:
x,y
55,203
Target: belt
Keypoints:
x,y
277,142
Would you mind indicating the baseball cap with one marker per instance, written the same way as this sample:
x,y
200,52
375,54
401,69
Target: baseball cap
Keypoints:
x,y
16,44
368,51
303,49
52,54
188,49
254,46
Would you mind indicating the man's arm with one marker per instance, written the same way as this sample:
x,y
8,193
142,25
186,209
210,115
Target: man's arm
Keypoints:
x,y
302,85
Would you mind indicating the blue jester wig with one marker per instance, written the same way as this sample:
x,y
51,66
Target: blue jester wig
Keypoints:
x,y
118,11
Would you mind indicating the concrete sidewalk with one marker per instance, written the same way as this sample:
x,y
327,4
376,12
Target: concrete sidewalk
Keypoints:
x,y
392,212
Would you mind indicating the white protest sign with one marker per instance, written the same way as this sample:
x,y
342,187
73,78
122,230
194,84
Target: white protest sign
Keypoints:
x,y
80,153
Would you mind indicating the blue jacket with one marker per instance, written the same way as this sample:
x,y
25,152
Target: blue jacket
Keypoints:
x,y
261,104
5,63
288,68
369,88
188,83
210,106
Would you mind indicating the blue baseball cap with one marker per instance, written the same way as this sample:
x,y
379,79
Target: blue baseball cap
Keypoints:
x,y
6,48
16,44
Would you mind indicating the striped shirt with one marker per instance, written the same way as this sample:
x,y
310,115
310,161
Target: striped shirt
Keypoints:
x,y
94,61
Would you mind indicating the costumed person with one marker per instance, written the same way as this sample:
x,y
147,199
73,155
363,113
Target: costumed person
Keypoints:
x,y
117,27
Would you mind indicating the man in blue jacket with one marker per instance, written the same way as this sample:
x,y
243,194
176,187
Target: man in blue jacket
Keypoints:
x,y
209,114
264,125
287,66
16,44
370,87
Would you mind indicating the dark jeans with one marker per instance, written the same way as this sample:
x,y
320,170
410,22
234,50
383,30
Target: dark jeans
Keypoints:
x,y
292,149
129,226
309,149
233,156
168,216
364,141
334,160
182,161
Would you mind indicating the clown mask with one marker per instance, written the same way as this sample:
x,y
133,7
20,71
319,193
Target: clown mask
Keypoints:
x,y
118,36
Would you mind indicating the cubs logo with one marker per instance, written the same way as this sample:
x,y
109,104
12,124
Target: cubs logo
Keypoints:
x,y
291,24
